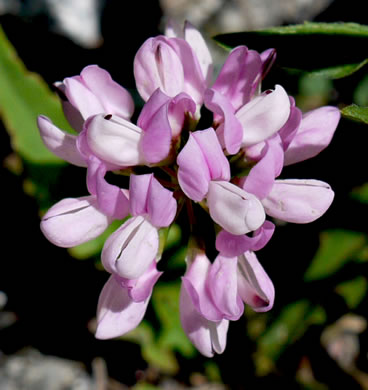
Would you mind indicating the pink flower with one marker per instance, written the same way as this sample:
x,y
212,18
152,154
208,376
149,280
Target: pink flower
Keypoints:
x,y
130,250
214,294
123,303
123,144
158,57
204,173
231,169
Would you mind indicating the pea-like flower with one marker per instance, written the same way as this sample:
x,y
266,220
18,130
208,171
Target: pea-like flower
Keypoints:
x,y
227,174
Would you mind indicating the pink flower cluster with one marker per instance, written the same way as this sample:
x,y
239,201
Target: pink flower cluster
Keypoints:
x,y
230,168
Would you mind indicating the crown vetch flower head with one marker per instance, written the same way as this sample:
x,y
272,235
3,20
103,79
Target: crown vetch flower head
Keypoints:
x,y
231,168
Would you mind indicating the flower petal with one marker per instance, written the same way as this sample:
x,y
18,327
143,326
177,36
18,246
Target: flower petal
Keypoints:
x,y
141,289
73,115
230,131
262,175
237,76
115,140
114,99
161,205
222,284
156,137
73,221
130,250
82,98
264,116
298,201
157,65
234,245
112,201
60,143
195,282
201,50
117,313
193,172
217,162
254,286
314,134
233,209
207,336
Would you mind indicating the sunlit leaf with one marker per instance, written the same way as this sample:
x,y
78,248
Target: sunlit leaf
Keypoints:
x,y
323,47
24,96
336,248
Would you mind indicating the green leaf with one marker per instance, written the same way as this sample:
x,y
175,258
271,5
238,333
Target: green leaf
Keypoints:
x,y
339,71
353,291
336,248
331,49
356,113
24,96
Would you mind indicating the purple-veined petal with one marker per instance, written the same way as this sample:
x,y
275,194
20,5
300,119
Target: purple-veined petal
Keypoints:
x,y
314,134
222,285
195,280
114,99
217,162
157,65
264,116
254,285
230,131
130,250
262,175
60,143
298,201
207,336
73,221
237,76
233,209
193,172
234,245
115,140
117,313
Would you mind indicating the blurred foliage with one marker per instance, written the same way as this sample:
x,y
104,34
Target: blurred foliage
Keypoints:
x,y
306,52
24,96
